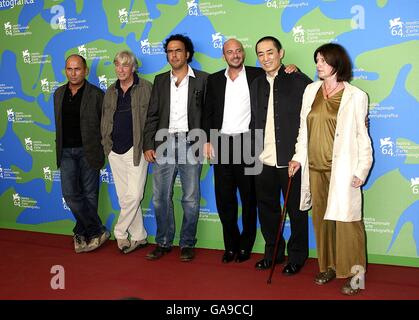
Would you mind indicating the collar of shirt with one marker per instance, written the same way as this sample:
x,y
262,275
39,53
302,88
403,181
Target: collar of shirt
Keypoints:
x,y
271,79
242,71
173,78
79,90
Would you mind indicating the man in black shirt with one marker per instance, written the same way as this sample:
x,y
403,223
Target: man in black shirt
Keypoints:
x,y
124,113
77,108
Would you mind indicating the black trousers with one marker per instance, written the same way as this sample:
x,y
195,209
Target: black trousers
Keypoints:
x,y
230,178
269,185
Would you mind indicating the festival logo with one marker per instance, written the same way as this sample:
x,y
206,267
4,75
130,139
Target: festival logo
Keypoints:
x,y
396,27
103,82
8,28
217,40
386,146
123,15
298,34
414,185
192,8
10,115
65,206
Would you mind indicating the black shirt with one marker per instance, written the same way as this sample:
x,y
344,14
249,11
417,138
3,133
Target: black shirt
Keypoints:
x,y
122,120
71,118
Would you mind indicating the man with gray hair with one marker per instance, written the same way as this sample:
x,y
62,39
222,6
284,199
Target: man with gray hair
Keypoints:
x,y
124,113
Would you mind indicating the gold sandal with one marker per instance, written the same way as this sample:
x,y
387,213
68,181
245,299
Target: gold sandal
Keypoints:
x,y
348,290
325,277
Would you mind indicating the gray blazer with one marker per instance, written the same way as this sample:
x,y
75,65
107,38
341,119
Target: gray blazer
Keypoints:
x,y
159,110
140,97
90,114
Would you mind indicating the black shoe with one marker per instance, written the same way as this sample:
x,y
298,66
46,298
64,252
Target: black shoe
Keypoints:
x,y
187,254
263,264
242,256
228,256
291,269
158,252
266,264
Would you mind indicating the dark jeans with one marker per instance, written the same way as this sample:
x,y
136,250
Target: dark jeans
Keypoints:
x,y
269,186
80,188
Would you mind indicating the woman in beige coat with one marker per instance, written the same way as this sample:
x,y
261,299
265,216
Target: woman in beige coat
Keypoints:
x,y
334,153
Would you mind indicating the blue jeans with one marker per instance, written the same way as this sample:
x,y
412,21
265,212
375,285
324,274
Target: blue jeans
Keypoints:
x,y
164,175
80,188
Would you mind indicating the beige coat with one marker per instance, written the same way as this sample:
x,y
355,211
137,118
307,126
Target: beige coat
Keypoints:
x,y
352,154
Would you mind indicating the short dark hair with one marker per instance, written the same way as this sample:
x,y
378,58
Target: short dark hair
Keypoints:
x,y
275,41
185,40
338,58
83,60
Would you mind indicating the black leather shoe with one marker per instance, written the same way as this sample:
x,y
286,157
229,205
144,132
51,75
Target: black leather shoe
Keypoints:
x,y
266,264
158,252
187,254
228,256
263,264
291,269
242,256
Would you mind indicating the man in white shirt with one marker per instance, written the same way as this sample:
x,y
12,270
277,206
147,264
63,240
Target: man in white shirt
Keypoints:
x,y
227,111
175,110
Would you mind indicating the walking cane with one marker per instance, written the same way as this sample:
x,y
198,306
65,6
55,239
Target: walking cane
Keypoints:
x,y
280,229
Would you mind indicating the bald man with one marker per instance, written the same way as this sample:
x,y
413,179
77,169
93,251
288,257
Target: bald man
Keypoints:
x,y
227,110
78,109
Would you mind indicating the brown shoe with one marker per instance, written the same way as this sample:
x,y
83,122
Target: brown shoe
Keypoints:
x,y
348,290
158,252
187,254
325,277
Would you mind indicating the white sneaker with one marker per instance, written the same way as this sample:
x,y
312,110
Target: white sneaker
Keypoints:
x,y
80,244
123,244
134,245
96,242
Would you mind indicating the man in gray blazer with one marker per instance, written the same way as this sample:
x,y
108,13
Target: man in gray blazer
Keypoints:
x,y
78,108
174,116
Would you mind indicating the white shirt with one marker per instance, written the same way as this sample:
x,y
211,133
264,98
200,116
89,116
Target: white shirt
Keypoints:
x,y
178,120
236,117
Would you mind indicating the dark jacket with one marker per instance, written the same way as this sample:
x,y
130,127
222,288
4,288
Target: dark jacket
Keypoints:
x,y
159,109
288,96
140,98
215,97
90,115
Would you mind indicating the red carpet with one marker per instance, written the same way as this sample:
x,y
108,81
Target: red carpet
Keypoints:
x,y
27,259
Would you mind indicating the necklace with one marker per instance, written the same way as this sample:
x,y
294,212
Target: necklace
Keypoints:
x,y
327,94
